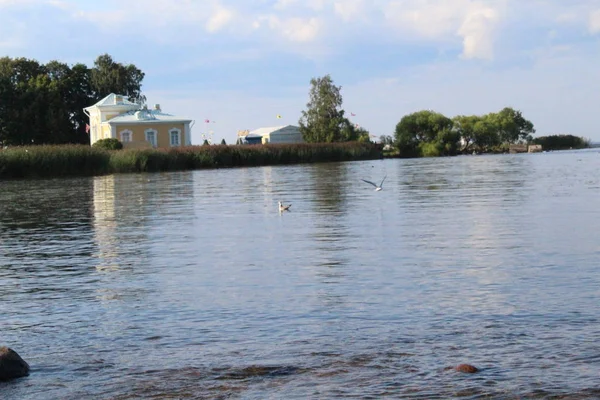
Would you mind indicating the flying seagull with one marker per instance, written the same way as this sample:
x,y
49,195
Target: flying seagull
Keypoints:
x,y
284,207
377,187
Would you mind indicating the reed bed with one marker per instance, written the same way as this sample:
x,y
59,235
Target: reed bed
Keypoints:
x,y
81,160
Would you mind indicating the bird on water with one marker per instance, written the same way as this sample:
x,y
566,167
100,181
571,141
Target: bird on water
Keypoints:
x,y
283,207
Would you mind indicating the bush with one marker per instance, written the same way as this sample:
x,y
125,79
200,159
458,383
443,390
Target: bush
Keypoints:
x,y
561,142
108,144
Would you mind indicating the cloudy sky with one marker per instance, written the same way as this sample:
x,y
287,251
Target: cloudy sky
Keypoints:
x,y
242,62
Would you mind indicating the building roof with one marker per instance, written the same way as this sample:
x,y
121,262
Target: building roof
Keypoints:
x,y
113,100
145,116
266,131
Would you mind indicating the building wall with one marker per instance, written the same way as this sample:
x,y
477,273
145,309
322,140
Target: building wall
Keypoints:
x,y
105,132
101,129
287,135
138,133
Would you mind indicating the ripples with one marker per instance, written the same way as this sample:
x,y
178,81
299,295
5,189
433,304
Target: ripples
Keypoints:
x,y
192,285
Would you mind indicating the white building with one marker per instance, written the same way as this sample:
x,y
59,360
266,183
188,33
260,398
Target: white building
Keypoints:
x,y
136,126
275,134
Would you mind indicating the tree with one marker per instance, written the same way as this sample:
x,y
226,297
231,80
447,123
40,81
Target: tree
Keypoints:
x,y
562,142
386,139
425,130
223,141
465,127
43,104
486,134
323,120
108,76
511,125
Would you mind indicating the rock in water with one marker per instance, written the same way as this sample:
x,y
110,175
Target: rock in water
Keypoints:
x,y
12,366
466,368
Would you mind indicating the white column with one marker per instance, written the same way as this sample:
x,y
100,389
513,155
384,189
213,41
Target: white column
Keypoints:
x,y
113,131
188,134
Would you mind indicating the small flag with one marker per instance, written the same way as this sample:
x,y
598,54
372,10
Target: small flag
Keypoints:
x,y
354,115
87,128
278,116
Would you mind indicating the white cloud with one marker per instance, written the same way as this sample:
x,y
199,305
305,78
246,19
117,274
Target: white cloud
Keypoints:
x,y
299,30
219,19
594,22
477,32
315,5
349,10
446,20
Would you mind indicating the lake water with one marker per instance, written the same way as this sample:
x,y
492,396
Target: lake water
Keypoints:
x,y
193,285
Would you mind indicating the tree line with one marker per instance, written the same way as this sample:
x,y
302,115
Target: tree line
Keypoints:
x,y
426,132
43,103
429,133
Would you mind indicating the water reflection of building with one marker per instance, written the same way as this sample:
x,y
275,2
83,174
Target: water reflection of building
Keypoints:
x,y
104,222
128,207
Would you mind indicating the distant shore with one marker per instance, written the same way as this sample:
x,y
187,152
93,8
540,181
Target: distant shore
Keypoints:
x,y
81,160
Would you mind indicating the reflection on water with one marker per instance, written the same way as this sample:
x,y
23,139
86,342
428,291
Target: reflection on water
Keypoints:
x,y
193,285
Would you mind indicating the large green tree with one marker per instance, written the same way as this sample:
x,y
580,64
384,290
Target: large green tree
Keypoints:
x,y
108,76
425,132
476,132
324,120
43,104
512,126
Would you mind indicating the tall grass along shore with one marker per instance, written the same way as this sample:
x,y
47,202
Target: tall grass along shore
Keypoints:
x,y
81,160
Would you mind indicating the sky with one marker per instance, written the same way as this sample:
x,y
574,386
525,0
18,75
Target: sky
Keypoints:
x,y
240,63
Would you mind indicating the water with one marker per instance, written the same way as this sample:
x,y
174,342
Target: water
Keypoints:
x,y
192,285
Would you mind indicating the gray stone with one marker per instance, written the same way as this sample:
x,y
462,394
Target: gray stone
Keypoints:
x,y
12,366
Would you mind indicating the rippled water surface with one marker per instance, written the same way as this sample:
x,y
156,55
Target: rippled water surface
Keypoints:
x,y
193,285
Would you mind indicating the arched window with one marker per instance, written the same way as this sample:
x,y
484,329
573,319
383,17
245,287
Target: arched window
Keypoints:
x,y
126,136
151,137
175,137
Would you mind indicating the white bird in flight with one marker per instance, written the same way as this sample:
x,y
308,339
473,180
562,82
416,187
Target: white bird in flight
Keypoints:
x,y
377,187
284,207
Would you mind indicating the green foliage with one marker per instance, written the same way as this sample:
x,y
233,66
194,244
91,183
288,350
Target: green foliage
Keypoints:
x,y
562,142
427,133
108,144
223,141
425,127
205,143
51,161
429,149
43,104
511,126
108,76
323,121
386,139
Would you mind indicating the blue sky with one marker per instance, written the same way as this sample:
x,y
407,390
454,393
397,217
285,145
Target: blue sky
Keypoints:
x,y
242,62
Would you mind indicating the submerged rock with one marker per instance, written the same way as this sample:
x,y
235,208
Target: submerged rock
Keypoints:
x,y
466,368
12,366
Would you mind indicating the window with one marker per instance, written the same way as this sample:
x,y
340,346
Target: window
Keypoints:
x,y
126,136
151,137
175,137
